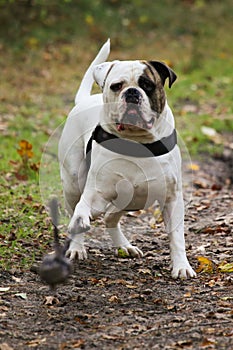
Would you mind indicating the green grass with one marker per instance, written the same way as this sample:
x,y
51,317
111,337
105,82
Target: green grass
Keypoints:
x,y
44,51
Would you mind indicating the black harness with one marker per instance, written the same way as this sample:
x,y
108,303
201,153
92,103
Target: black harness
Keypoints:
x,y
130,148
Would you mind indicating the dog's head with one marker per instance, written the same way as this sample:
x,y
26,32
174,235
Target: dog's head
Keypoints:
x,y
133,93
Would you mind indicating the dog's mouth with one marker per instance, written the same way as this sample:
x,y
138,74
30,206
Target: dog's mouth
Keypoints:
x,y
132,118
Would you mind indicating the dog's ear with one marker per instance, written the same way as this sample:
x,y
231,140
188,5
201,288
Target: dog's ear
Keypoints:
x,y
164,72
101,72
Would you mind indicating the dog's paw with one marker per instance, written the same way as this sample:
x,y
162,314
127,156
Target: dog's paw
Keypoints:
x,y
78,225
183,271
76,250
129,251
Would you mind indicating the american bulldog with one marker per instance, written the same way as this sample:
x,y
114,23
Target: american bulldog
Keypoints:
x,y
118,152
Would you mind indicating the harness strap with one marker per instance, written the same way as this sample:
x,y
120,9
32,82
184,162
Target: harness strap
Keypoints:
x,y
130,148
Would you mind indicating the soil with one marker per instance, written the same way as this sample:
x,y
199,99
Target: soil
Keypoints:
x,y
123,303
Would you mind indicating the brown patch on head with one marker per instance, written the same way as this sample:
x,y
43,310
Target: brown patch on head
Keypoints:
x,y
151,78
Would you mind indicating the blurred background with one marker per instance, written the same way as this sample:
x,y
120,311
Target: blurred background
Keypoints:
x,y
45,47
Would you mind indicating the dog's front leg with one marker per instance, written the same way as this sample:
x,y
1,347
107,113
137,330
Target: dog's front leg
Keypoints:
x,y
173,214
80,223
90,206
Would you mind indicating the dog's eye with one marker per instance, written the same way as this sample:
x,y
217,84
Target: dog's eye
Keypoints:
x,y
147,85
116,87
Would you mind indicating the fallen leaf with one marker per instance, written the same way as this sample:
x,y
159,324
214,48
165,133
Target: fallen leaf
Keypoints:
x,y
202,207
211,134
25,149
158,215
51,300
35,166
4,289
145,271
114,299
225,267
78,343
171,307
200,184
153,223
74,344
110,337
89,19
121,253
216,187
184,343
32,42
131,286
226,298
205,265
35,342
193,167
209,230
16,279
135,213
208,341
212,283
21,295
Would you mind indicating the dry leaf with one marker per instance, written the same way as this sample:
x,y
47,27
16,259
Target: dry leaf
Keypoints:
x,y
208,341
122,253
152,223
183,344
135,213
171,307
145,271
114,299
77,344
211,134
21,295
35,342
51,300
205,265
131,286
193,167
225,267
158,215
212,283
16,279
25,149
4,289
200,184
110,337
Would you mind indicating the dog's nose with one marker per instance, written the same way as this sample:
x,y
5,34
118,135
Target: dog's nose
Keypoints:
x,y
132,95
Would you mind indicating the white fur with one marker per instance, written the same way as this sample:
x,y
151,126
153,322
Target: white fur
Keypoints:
x,y
115,183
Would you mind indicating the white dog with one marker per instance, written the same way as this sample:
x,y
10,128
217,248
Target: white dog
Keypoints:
x,y
118,152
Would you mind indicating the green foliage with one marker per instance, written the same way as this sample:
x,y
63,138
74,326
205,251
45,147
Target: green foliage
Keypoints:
x,y
125,21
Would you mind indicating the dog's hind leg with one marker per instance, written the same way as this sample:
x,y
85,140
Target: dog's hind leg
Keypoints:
x,y
113,228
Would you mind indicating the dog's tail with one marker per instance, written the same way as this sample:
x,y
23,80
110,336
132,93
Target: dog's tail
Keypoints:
x,y
88,80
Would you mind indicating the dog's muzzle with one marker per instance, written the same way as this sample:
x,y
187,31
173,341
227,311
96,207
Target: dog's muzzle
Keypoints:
x,y
132,116
133,96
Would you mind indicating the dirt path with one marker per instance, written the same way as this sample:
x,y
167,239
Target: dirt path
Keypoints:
x,y
113,303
